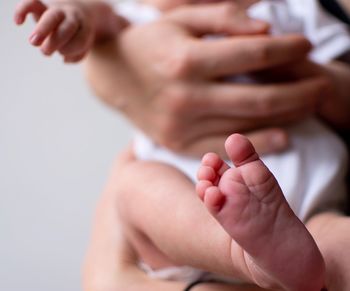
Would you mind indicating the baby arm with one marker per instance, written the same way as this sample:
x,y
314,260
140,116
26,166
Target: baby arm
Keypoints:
x,y
69,27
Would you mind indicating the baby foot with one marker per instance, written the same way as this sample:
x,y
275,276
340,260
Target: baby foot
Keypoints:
x,y
249,204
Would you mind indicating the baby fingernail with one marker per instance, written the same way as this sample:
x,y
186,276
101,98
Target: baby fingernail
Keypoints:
x,y
34,39
18,19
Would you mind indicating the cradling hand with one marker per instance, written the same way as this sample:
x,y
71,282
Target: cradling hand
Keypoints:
x,y
171,81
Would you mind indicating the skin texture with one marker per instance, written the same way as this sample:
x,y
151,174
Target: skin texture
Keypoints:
x,y
249,204
54,33
69,27
111,261
174,88
188,27
180,237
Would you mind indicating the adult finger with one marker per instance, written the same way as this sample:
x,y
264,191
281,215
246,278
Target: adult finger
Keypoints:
x,y
266,141
217,18
239,55
28,6
212,125
60,37
47,24
269,141
256,100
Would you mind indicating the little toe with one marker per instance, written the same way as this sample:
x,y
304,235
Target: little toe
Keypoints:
x,y
201,187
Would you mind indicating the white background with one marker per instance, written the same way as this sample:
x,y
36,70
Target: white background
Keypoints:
x,y
56,146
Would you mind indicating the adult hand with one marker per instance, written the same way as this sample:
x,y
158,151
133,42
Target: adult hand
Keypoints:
x,y
168,79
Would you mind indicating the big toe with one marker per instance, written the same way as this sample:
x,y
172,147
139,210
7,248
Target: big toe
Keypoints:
x,y
240,150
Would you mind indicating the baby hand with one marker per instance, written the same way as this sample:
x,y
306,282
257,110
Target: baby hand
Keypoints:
x,y
64,26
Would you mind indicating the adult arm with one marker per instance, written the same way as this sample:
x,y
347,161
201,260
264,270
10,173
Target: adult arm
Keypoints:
x,y
167,79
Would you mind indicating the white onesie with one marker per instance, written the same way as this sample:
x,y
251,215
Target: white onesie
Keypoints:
x,y
312,171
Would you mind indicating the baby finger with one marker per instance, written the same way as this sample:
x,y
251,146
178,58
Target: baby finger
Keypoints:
x,y
48,23
80,42
28,6
74,59
60,37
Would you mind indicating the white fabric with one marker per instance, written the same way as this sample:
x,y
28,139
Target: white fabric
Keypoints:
x,y
184,273
329,37
137,13
311,172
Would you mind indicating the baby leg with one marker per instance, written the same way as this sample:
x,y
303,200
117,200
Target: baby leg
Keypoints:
x,y
158,203
249,204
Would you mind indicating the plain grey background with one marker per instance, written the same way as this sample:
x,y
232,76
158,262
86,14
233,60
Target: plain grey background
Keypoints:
x,y
57,143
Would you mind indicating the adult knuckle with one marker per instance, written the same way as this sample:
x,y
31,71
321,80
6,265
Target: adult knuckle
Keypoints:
x,y
262,52
265,104
228,10
166,127
176,99
176,145
168,131
324,89
172,142
178,65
